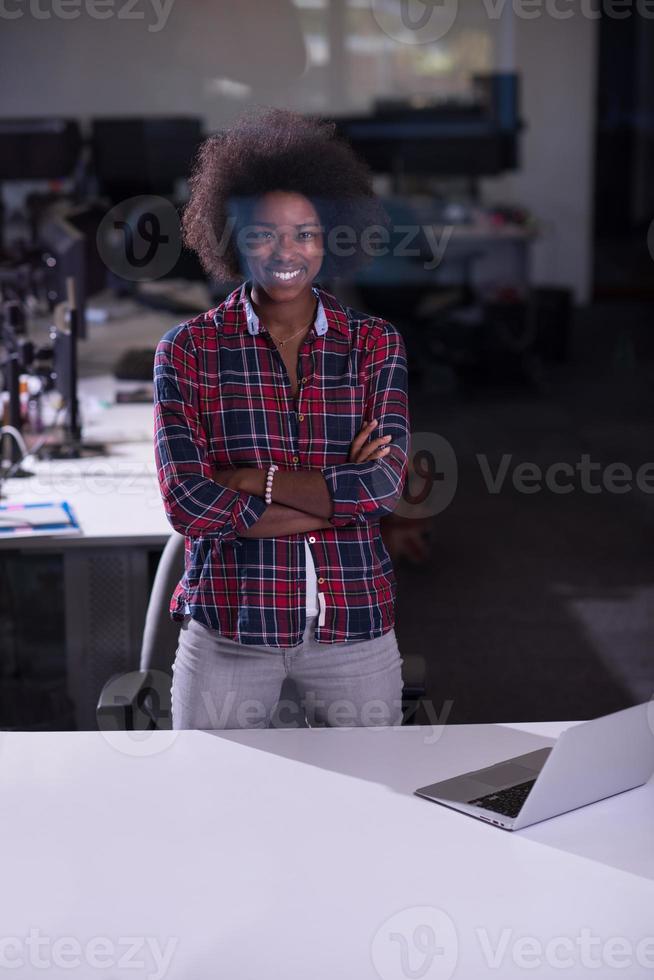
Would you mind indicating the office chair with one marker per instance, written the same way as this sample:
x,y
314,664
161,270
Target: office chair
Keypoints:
x,y
141,700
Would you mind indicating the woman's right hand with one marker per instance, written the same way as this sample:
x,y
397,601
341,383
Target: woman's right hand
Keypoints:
x,y
362,451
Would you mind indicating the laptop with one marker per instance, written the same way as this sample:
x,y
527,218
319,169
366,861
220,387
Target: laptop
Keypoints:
x,y
588,762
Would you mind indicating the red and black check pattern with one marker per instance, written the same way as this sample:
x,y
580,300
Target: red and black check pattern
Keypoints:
x,y
223,399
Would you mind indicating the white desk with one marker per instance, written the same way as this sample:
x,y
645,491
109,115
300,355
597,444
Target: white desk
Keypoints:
x,y
303,854
116,499
117,502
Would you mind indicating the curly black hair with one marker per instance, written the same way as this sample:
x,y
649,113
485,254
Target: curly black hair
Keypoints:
x,y
267,150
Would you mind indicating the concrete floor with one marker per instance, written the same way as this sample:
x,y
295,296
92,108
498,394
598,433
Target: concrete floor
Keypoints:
x,y
536,606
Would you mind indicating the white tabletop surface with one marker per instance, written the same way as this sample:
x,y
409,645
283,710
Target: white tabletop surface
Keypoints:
x,y
303,853
115,498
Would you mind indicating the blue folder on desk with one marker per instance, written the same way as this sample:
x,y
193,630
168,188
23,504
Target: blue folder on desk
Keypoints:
x,y
26,520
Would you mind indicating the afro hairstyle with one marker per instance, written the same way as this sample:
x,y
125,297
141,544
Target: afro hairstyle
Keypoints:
x,y
269,149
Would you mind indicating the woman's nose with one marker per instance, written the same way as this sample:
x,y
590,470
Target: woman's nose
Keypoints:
x,y
285,244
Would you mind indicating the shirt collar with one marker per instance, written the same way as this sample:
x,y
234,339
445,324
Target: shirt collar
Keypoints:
x,y
320,324
236,313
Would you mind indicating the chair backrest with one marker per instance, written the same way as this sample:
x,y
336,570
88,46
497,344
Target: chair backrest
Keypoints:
x,y
161,633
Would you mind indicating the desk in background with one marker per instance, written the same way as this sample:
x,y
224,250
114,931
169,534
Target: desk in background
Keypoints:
x,y
106,569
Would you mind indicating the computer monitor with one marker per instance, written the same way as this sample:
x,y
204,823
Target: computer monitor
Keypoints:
x,y
10,383
38,149
64,335
16,357
144,155
472,138
64,248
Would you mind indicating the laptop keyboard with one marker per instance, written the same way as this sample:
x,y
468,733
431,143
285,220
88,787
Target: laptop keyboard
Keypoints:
x,y
506,801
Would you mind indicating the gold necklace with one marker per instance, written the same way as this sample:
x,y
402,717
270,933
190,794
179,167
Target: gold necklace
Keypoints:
x,y
282,342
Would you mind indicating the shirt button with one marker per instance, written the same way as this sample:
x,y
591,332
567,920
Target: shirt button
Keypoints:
x,y
321,580
312,540
296,459
301,418
304,381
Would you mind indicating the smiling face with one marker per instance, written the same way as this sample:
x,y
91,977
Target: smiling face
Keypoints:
x,y
284,244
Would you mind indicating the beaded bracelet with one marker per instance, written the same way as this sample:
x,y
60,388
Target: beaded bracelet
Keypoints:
x,y
269,479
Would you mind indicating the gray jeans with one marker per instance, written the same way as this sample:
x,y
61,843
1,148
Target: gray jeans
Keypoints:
x,y
220,683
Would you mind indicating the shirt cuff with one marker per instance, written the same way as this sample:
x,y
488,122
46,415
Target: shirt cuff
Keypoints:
x,y
246,512
343,484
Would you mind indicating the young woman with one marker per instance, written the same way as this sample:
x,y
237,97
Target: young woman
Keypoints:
x,y
282,434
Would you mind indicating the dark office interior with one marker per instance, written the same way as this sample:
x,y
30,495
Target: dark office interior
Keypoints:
x,y
520,152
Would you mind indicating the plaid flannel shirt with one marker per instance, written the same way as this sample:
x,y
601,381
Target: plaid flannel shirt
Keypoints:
x,y
223,399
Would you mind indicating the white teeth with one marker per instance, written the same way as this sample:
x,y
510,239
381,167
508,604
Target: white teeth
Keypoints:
x,y
287,275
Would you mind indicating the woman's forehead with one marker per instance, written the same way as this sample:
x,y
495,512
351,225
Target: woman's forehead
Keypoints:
x,y
281,207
